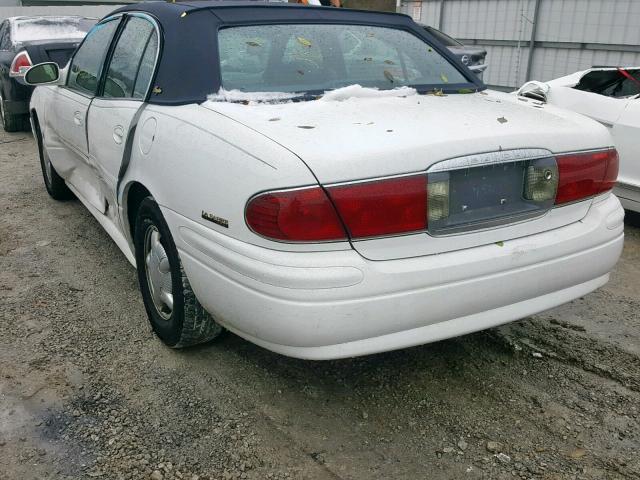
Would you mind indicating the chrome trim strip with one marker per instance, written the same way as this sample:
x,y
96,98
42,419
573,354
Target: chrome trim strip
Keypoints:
x,y
489,158
375,179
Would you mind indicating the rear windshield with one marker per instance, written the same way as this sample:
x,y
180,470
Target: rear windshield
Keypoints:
x,y
307,58
51,28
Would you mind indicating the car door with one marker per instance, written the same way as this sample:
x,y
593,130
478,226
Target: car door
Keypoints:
x,y
65,130
113,112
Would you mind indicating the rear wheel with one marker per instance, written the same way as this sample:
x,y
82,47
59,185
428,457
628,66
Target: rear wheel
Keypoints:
x,y
10,122
53,182
175,314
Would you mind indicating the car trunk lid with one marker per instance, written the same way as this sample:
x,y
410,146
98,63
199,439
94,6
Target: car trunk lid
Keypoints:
x,y
365,138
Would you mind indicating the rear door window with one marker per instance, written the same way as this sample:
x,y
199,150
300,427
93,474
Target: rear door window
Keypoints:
x,y
133,60
86,65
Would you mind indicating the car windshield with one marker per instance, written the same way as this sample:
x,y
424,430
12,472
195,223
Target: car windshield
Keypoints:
x,y
51,28
308,58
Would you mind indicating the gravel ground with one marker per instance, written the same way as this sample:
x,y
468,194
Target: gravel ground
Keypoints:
x,y
86,390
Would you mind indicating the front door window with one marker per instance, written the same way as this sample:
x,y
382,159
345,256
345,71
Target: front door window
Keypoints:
x,y
86,65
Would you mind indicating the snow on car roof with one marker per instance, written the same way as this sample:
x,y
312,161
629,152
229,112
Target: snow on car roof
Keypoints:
x,y
49,27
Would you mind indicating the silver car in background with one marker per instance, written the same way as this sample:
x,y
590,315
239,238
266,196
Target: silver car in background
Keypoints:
x,y
471,56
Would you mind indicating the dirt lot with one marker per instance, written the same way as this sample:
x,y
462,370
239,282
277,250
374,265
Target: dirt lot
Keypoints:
x,y
86,391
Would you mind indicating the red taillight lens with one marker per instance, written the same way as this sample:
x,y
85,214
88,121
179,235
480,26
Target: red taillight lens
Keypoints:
x,y
304,215
367,209
382,207
584,175
20,64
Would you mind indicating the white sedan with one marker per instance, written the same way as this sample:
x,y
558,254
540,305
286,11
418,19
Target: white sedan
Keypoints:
x,y
324,183
611,96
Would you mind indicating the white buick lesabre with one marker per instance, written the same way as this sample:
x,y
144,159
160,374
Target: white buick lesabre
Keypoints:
x,y
325,183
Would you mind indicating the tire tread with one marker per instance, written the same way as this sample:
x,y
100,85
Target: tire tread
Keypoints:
x,y
198,326
13,123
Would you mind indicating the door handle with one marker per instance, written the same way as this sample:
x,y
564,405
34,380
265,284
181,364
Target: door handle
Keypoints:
x,y
118,134
77,118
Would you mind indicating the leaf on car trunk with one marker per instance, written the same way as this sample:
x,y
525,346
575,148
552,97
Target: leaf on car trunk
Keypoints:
x,y
389,76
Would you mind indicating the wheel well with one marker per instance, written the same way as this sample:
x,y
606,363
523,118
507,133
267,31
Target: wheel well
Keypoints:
x,y
36,130
136,193
34,115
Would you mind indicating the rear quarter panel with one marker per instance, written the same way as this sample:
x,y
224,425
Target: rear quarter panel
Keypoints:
x,y
193,160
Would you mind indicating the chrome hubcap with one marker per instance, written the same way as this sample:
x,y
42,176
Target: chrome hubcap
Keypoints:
x,y
158,273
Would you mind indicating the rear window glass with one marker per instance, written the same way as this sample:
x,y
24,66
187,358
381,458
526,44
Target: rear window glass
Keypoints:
x,y
620,83
51,28
301,58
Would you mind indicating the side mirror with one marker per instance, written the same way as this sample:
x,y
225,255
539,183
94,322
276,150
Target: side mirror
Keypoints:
x,y
42,73
535,90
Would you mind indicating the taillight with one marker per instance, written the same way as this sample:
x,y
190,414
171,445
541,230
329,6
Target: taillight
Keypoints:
x,y
583,175
21,63
303,215
408,204
367,209
382,207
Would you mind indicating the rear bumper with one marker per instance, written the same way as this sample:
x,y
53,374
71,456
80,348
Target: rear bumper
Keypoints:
x,y
327,305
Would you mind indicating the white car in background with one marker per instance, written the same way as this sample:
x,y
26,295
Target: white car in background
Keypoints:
x,y
324,186
611,96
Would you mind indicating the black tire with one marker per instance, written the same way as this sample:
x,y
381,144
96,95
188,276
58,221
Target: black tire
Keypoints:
x,y
187,323
53,182
11,123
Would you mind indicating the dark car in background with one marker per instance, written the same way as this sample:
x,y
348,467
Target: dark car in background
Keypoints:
x,y
473,57
27,41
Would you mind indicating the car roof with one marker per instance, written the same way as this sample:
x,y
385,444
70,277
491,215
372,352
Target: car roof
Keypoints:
x,y
250,9
190,37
